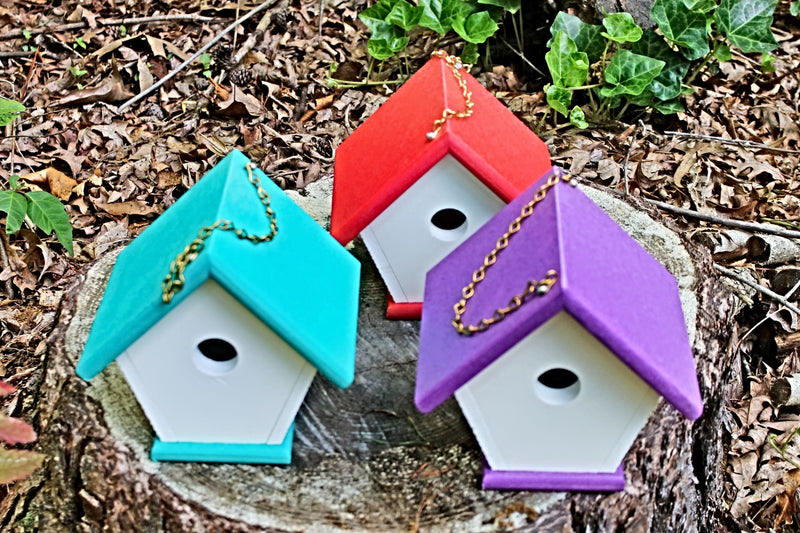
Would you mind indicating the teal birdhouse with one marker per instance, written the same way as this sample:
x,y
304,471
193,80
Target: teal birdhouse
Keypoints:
x,y
257,307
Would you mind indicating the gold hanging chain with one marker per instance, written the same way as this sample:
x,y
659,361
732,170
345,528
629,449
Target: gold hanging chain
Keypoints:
x,y
174,281
458,68
537,287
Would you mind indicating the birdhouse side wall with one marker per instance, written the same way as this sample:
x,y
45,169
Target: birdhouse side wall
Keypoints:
x,y
211,372
421,227
558,401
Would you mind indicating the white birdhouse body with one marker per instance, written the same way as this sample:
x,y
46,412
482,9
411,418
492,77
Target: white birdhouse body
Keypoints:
x,y
557,401
210,371
428,221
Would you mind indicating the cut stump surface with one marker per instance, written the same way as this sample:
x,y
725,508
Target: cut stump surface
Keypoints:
x,y
364,459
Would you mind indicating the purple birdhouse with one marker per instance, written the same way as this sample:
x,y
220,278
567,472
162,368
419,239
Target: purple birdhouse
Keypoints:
x,y
557,391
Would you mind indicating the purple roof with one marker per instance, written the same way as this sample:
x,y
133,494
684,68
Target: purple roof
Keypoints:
x,y
607,282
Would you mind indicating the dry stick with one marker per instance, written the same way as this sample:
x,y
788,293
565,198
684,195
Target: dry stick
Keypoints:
x,y
212,42
5,263
628,155
739,142
758,288
724,221
256,36
16,53
105,22
521,56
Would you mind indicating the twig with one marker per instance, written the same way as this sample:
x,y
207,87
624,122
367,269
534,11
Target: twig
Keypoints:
x,y
739,142
16,53
758,288
628,155
5,263
522,56
724,221
256,36
15,34
264,5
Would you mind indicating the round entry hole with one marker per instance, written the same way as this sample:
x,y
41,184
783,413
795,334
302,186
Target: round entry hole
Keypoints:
x,y
448,224
215,356
557,386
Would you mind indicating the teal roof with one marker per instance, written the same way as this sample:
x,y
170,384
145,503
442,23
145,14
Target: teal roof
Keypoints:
x,y
302,284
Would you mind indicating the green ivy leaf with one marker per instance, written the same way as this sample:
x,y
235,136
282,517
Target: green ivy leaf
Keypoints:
x,y
9,110
18,464
405,15
558,98
685,28
701,6
723,53
587,37
48,214
669,108
577,118
568,67
512,6
13,204
621,28
794,8
630,73
476,28
643,100
667,85
438,15
766,63
13,181
746,24
374,18
469,54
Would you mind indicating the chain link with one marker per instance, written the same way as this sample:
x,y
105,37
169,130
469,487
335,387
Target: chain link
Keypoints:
x,y
457,66
535,287
174,281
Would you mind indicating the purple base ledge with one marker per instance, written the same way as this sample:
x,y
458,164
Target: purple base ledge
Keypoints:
x,y
556,481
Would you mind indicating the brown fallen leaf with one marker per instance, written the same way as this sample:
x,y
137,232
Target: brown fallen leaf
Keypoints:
x,y
60,184
111,90
786,502
131,207
240,104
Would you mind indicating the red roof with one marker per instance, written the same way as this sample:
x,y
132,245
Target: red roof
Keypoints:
x,y
390,150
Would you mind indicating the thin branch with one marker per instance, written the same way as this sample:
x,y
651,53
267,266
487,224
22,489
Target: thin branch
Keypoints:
x,y
256,36
758,288
522,56
628,155
212,42
5,263
16,34
738,142
724,221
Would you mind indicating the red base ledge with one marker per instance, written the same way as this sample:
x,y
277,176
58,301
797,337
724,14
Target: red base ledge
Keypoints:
x,y
402,310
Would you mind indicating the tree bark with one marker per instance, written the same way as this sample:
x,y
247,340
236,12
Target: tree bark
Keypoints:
x,y
364,458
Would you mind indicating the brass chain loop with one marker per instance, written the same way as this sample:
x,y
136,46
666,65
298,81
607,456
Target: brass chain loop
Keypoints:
x,y
174,281
457,67
536,287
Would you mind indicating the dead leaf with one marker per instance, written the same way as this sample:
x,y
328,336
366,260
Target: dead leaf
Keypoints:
x,y
131,207
110,90
241,104
145,77
60,184
786,501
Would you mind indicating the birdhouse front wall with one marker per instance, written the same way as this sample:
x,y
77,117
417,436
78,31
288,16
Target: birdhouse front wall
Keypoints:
x,y
557,401
212,372
428,221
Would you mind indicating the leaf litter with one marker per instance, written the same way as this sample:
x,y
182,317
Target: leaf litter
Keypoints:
x,y
116,173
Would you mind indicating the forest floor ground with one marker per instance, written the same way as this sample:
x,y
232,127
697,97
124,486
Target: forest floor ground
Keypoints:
x,y
116,172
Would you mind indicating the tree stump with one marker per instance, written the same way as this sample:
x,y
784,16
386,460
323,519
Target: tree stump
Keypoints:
x,y
364,459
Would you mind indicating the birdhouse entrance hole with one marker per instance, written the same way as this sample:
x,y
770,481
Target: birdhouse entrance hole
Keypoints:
x,y
557,386
215,356
448,224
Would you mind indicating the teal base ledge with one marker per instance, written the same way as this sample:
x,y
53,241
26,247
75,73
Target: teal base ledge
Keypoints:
x,y
211,452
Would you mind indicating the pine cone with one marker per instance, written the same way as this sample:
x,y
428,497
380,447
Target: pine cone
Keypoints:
x,y
280,20
240,77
